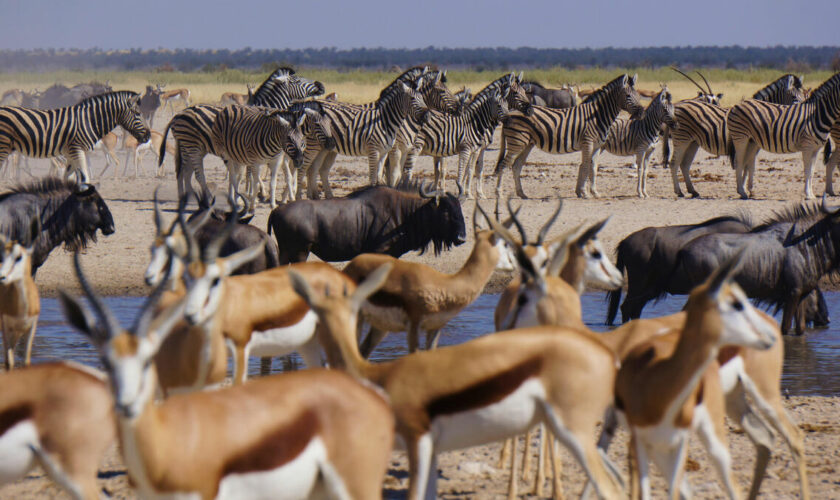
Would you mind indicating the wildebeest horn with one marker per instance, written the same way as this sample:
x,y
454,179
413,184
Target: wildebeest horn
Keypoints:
x,y
424,193
245,206
689,79
826,209
517,223
705,81
211,251
726,271
548,224
109,321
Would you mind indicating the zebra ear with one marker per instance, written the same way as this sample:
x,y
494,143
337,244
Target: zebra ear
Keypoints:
x,y
284,78
311,113
301,120
519,78
634,79
720,97
284,122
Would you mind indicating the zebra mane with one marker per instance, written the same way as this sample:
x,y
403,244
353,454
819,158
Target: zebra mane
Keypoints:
x,y
484,94
601,92
825,88
120,96
408,76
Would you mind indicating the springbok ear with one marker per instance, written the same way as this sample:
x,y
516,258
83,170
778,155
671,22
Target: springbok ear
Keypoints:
x,y
561,252
725,272
233,261
303,289
591,233
282,121
79,317
370,285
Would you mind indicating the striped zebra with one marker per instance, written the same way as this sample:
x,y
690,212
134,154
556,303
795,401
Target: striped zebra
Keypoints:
x,y
463,135
830,159
367,131
581,128
191,127
247,136
702,124
639,137
70,131
776,128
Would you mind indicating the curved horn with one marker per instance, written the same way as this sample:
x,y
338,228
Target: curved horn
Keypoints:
x,y
424,193
548,223
558,260
193,251
517,223
826,209
706,81
245,206
689,79
112,326
147,312
522,259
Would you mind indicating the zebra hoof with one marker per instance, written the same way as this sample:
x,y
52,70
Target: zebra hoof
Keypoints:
x,y
695,194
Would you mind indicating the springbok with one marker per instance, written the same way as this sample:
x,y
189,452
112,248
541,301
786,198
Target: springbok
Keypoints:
x,y
60,416
134,151
108,145
229,98
417,297
483,390
168,97
20,305
313,433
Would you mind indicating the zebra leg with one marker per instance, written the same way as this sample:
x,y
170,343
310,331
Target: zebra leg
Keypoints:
x,y
479,175
685,167
752,152
517,171
740,167
674,164
808,158
78,165
273,165
395,160
641,169
254,174
325,173
375,166
463,161
833,160
439,165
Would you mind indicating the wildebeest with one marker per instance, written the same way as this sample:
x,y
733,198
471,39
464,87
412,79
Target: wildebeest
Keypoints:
x,y
650,254
551,98
60,96
370,220
149,103
70,214
784,260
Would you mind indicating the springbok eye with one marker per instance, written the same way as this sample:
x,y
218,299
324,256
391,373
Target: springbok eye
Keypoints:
x,y
215,281
596,255
522,300
738,305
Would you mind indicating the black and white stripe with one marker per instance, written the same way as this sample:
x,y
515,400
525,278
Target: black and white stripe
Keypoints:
x,y
639,137
581,128
702,124
802,127
70,131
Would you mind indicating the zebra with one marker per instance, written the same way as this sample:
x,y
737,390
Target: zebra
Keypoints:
x,y
702,124
246,136
70,131
463,135
776,128
581,128
367,131
639,137
191,127
831,159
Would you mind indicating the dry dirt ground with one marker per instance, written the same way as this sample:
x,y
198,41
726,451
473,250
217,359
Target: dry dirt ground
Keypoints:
x,y
116,263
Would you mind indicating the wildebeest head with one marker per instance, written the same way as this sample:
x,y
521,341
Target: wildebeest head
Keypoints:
x,y
92,213
131,119
449,228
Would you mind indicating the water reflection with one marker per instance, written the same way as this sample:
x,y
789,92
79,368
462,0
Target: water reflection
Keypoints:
x,y
810,360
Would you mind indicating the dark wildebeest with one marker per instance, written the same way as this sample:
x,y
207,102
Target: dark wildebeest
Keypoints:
x,y
650,254
204,226
784,261
149,103
70,214
370,220
61,96
550,98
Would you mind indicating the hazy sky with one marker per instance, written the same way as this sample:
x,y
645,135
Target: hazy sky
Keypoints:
x,y
235,24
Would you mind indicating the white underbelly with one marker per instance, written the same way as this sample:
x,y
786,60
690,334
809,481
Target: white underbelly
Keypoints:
x,y
730,373
16,457
293,480
282,341
513,415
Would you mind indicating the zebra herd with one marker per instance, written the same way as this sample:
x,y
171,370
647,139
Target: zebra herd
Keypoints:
x,y
285,123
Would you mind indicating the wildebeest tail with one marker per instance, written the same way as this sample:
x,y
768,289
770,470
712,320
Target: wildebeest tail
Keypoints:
x,y
730,150
826,152
163,146
614,296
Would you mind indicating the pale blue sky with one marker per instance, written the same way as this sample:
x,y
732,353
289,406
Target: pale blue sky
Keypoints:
x,y
234,24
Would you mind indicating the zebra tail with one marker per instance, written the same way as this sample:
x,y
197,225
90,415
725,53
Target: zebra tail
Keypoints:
x,y
827,152
730,150
163,144
502,147
666,147
614,296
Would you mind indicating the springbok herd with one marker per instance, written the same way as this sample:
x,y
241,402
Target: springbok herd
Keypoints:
x,y
221,287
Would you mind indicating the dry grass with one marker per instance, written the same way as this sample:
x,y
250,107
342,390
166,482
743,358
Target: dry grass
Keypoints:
x,y
364,86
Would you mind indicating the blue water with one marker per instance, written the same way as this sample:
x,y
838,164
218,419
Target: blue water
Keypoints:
x,y
811,361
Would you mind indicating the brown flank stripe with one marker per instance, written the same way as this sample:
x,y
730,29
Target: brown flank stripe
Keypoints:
x,y
278,448
485,392
14,416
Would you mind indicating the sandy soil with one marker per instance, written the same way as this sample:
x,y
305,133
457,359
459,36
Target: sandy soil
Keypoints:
x,y
115,265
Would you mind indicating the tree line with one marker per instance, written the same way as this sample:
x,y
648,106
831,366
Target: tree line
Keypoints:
x,y
797,59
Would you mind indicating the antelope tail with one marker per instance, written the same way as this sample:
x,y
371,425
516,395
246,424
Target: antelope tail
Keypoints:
x,y
163,144
614,296
827,151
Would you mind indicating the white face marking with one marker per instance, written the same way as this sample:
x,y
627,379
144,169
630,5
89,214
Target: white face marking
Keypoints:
x,y
154,271
204,295
16,458
599,270
742,325
131,378
507,261
11,268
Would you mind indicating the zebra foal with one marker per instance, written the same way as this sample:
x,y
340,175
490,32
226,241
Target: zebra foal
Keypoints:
x,y
802,127
71,131
639,137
